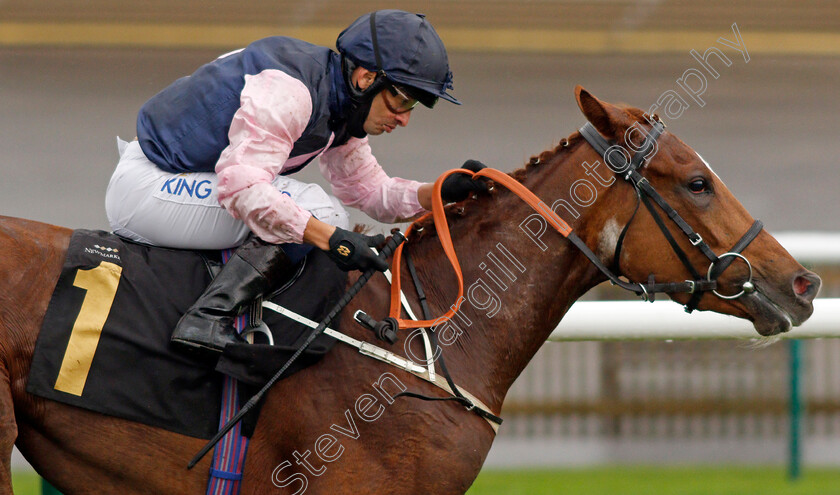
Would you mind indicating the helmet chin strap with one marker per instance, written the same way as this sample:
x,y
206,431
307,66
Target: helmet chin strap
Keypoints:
x,y
360,99
357,114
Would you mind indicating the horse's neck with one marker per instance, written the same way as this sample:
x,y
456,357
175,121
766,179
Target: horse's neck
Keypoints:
x,y
517,288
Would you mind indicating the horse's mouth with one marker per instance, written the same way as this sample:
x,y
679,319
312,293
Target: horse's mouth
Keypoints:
x,y
773,313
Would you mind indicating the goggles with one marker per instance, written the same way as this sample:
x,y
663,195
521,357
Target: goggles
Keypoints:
x,y
400,101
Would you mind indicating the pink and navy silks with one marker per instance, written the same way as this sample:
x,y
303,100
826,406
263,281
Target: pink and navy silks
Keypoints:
x,y
262,134
269,109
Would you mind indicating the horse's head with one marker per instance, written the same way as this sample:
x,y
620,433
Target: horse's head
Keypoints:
x,y
780,292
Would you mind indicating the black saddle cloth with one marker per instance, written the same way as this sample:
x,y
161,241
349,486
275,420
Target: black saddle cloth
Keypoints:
x,y
126,366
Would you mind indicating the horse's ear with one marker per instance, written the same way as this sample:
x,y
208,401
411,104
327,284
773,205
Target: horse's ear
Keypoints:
x,y
610,120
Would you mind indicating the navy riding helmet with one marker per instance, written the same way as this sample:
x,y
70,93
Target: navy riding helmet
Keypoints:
x,y
402,48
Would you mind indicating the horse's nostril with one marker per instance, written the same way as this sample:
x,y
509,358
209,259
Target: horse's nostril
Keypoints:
x,y
806,286
801,285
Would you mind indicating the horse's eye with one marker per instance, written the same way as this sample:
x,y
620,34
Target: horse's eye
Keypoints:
x,y
698,186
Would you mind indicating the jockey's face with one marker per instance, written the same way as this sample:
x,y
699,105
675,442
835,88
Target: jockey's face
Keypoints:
x,y
382,117
385,114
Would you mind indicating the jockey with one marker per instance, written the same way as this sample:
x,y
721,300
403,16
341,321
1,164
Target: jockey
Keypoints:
x,y
209,167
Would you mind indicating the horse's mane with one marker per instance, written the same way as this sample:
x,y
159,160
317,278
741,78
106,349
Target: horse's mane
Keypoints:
x,y
425,227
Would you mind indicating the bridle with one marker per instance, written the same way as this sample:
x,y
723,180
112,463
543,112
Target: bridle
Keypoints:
x,y
646,194
628,170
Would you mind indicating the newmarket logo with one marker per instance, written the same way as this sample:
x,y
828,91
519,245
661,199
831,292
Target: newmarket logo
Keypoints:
x,y
104,251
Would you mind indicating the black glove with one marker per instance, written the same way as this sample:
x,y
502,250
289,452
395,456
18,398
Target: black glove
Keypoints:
x,y
458,187
351,251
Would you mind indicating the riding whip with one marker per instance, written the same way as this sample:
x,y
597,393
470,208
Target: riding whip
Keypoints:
x,y
396,239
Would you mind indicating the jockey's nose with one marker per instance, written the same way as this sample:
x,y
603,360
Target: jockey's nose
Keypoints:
x,y
403,118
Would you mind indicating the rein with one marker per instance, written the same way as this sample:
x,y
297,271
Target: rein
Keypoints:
x,y
442,227
645,193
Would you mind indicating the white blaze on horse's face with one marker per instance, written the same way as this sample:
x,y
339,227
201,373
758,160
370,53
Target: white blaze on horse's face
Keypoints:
x,y
608,239
707,165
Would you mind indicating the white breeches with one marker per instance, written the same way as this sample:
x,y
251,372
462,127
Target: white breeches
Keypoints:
x,y
149,205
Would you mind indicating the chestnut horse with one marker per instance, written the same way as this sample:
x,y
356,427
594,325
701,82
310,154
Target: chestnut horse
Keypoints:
x,y
335,427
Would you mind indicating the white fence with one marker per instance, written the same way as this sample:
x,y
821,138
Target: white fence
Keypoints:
x,y
632,320
665,320
634,382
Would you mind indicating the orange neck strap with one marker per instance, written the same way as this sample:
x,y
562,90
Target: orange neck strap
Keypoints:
x,y
442,228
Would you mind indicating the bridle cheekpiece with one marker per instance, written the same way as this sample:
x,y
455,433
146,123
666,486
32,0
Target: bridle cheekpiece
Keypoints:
x,y
646,194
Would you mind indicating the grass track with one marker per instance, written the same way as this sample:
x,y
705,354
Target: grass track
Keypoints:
x,y
621,481
657,481
26,483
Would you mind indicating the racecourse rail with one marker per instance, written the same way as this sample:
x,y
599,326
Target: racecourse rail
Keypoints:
x,y
664,320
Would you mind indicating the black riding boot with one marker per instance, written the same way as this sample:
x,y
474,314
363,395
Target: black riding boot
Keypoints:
x,y
254,269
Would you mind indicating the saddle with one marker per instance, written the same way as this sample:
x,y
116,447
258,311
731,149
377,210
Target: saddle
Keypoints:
x,y
104,343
